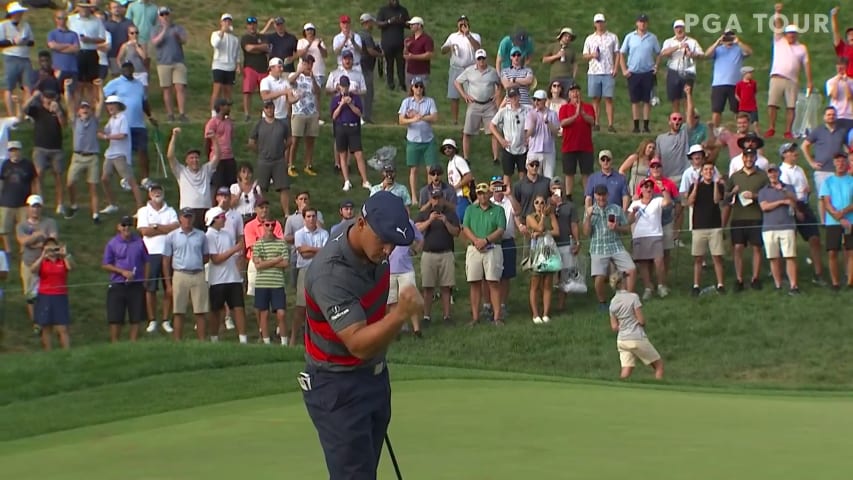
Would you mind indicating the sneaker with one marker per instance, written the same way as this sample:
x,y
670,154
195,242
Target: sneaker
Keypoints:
x,y
695,291
96,219
170,117
109,209
145,183
125,185
321,122
60,210
447,321
537,320
756,284
247,118
648,294
291,171
487,312
418,335
309,170
347,186
546,319
70,211
646,130
426,321
635,130
183,118
596,128
739,286
788,135
167,326
366,184
818,281
836,288
496,161
721,289
769,133
152,327
611,129
504,312
663,291
794,291
229,323
602,307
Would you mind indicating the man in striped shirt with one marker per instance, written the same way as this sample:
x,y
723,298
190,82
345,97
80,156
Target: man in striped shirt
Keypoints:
x,y
518,75
271,256
347,333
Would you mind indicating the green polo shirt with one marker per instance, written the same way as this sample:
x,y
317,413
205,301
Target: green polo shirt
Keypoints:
x,y
484,221
747,182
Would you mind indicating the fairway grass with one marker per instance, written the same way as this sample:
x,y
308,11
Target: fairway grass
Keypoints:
x,y
491,427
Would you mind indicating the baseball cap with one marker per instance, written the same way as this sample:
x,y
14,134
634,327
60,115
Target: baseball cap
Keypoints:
x,y
791,29
346,53
515,50
598,17
696,148
251,19
574,86
449,142
678,23
14,145
163,11
787,147
275,61
366,17
309,26
279,20
642,17
416,21
308,58
772,167
344,19
220,102
483,188
417,80
346,204
555,182
655,161
126,220
35,200
745,70
223,191
84,103
211,215
520,36
186,212
480,53
605,153
540,95
344,81
436,169
512,92
647,181
154,186
226,16
600,189
262,203
388,218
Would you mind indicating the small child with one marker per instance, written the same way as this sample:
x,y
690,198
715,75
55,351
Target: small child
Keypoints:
x,y
745,93
626,318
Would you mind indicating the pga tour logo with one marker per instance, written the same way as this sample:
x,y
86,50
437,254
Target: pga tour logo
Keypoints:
x,y
717,24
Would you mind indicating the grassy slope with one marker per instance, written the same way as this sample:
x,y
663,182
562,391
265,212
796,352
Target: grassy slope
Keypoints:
x,y
763,338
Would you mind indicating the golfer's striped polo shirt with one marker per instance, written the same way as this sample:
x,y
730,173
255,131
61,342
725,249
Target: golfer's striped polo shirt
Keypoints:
x,y
341,289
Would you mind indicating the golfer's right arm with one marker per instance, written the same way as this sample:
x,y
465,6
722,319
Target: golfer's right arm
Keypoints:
x,y
366,341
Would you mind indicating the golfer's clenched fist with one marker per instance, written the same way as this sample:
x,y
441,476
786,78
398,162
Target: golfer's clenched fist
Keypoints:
x,y
410,302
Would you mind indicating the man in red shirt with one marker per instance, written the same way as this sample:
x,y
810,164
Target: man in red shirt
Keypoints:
x,y
843,46
417,51
577,119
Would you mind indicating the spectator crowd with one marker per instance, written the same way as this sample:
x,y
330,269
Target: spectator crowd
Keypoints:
x,y
223,243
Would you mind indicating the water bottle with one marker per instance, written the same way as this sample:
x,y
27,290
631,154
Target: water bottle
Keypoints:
x,y
563,54
708,290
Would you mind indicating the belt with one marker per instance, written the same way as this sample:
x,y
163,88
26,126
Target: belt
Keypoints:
x,y
85,153
484,103
349,124
190,272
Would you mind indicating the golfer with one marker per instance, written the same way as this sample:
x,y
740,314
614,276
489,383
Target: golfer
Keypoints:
x,y
346,387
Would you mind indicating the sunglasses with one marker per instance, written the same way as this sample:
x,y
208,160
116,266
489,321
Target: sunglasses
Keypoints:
x,y
132,33
655,166
418,85
538,202
481,58
124,225
268,106
164,14
246,197
533,164
269,224
435,173
604,159
648,186
497,178
517,120
556,85
515,55
676,119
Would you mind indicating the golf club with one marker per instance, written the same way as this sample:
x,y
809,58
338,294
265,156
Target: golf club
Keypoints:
x,y
159,149
393,458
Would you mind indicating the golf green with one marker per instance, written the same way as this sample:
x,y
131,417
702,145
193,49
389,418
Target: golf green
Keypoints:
x,y
471,429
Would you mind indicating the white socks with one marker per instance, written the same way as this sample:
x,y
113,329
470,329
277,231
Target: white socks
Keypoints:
x,y
244,338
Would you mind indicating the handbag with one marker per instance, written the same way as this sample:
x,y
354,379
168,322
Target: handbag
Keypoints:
x,y
547,256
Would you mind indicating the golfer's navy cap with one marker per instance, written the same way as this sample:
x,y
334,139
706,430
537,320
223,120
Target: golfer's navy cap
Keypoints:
x,y
388,218
186,212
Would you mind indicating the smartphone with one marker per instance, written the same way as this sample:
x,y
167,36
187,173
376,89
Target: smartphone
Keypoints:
x,y
611,218
499,189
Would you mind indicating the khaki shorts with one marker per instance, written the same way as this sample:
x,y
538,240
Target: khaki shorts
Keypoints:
x,y
480,265
9,217
631,350
251,277
479,116
599,265
708,239
81,164
300,286
120,165
438,270
398,281
782,91
780,243
29,281
668,237
305,125
174,74
190,286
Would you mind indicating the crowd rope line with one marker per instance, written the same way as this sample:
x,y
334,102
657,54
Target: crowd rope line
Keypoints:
x,y
460,252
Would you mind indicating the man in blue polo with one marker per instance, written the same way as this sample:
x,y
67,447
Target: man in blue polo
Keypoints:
x,y
613,181
640,50
346,385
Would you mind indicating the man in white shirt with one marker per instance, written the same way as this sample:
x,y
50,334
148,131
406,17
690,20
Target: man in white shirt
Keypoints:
x,y
681,66
347,40
601,49
507,126
839,91
193,178
223,275
92,34
807,223
750,140
307,242
154,221
275,88
461,46
346,68
118,154
226,53
17,39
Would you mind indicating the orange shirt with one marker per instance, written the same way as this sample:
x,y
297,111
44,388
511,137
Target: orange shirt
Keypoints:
x,y
254,230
